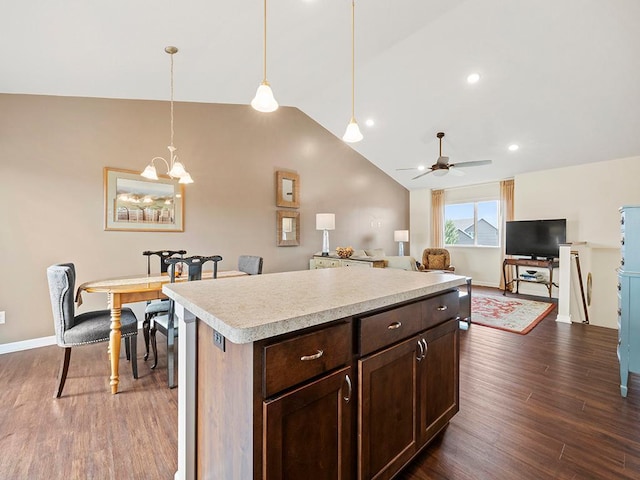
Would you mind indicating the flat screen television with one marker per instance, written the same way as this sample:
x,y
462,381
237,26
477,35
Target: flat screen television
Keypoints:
x,y
535,238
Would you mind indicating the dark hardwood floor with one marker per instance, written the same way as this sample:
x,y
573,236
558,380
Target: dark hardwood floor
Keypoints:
x,y
545,405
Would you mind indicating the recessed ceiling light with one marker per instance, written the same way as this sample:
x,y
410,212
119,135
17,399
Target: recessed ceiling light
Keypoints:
x,y
370,122
513,147
421,167
473,78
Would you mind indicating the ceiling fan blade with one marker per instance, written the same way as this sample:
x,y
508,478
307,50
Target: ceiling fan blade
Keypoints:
x,y
475,163
443,160
422,174
409,168
456,171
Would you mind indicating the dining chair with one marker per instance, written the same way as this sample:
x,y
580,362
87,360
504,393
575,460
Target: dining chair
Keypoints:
x,y
250,264
154,308
166,323
90,327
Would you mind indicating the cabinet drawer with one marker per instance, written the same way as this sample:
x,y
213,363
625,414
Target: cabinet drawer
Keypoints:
x,y
440,308
293,361
388,327
354,263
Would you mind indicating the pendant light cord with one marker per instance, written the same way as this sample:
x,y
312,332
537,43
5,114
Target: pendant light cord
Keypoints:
x,y
353,60
264,44
171,105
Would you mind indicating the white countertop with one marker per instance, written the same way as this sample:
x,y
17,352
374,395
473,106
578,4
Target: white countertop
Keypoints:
x,y
247,309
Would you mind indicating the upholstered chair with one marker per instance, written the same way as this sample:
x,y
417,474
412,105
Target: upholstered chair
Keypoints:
x,y
250,264
90,327
436,259
161,306
166,323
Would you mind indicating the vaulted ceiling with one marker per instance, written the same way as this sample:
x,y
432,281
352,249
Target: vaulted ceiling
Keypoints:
x,y
559,78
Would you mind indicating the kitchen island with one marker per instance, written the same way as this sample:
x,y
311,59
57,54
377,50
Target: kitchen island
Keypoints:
x,y
282,375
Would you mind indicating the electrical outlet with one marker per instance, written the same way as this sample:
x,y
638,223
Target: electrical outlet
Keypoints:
x,y
218,340
1,318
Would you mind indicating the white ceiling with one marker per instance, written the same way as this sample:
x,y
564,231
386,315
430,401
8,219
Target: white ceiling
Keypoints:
x,y
559,77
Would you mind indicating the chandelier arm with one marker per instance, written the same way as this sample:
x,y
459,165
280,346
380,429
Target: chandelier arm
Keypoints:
x,y
165,162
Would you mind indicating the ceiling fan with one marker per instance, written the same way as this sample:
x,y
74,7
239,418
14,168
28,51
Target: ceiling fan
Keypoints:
x,y
442,165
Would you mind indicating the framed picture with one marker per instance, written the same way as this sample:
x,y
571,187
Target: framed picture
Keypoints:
x,y
288,228
134,203
287,189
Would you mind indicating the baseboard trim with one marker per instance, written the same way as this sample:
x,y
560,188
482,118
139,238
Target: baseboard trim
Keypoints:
x,y
27,344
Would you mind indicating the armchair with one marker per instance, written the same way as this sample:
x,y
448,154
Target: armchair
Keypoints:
x,y
436,259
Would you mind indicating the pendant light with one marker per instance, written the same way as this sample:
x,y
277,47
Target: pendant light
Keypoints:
x,y
352,134
264,100
175,169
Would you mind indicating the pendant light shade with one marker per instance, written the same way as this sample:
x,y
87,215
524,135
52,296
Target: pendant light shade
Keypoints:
x,y
264,101
175,169
353,134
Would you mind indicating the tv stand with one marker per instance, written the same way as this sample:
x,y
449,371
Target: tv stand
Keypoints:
x,y
549,264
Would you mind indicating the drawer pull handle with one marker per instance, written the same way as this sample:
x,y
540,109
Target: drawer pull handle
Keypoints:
x,y
441,308
315,356
394,325
348,380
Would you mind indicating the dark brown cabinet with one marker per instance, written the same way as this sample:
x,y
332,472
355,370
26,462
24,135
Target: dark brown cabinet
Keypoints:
x,y
387,436
407,392
438,393
355,398
307,432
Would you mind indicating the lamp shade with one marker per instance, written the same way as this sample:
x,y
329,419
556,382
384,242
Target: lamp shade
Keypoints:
x,y
401,235
325,221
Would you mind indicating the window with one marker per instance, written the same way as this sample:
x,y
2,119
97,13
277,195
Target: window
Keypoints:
x,y
474,224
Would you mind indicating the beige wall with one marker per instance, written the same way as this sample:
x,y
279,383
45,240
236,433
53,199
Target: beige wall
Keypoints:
x,y
52,154
588,196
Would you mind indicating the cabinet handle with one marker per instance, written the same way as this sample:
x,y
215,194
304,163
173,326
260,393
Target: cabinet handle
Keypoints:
x,y
421,356
441,308
315,356
348,380
394,325
426,347
622,241
619,287
622,261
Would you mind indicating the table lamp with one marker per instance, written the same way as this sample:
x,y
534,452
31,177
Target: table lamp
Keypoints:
x,y
325,222
401,236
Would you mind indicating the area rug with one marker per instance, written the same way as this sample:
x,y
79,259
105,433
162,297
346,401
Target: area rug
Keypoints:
x,y
508,313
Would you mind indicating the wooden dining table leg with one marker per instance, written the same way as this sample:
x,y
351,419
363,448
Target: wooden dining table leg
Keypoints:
x,y
114,340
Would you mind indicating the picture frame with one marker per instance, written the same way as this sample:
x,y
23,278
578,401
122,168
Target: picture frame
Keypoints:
x,y
133,203
287,189
288,228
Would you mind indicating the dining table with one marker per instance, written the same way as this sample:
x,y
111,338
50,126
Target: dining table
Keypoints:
x,y
132,289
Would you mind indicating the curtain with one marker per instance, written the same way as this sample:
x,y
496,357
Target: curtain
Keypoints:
x,y
507,208
437,218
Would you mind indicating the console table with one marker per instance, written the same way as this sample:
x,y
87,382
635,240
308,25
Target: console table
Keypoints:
x,y
522,262
319,261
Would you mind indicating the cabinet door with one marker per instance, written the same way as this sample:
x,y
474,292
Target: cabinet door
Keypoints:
x,y
387,434
308,431
438,374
